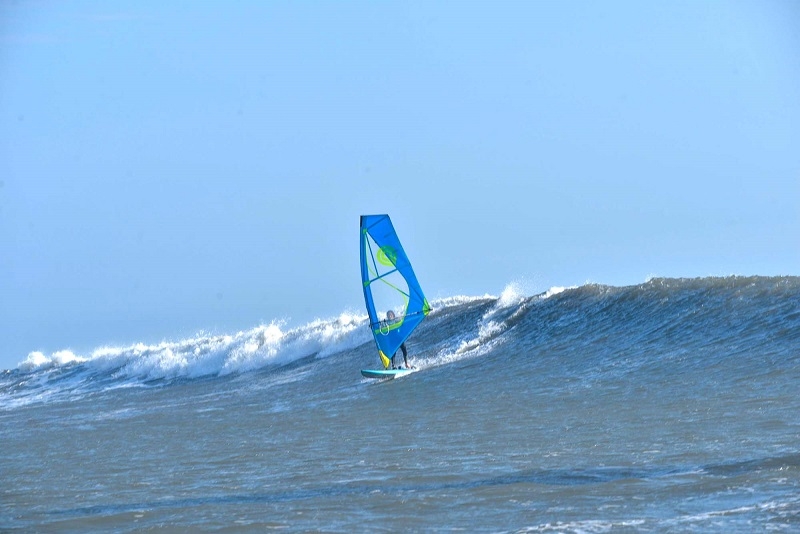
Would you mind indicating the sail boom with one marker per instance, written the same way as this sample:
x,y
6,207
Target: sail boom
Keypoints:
x,y
384,275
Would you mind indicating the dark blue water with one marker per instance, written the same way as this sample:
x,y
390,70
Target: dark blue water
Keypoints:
x,y
669,406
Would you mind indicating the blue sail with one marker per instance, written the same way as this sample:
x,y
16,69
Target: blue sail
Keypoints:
x,y
389,283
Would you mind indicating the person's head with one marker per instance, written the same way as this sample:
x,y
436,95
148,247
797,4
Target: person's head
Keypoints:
x,y
390,315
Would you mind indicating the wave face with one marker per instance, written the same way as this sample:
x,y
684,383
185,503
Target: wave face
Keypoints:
x,y
544,412
699,320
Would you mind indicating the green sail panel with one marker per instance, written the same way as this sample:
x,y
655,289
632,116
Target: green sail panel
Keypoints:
x,y
389,283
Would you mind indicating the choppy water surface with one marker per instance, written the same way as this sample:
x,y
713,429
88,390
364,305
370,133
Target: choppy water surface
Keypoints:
x,y
669,406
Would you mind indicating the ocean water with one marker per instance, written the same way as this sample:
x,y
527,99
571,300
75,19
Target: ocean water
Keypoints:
x,y
670,406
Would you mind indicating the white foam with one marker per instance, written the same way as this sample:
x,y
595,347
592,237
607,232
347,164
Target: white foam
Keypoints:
x,y
207,354
37,360
587,526
275,343
448,302
476,344
555,291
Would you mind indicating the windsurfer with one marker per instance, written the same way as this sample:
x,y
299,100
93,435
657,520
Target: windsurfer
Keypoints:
x,y
391,319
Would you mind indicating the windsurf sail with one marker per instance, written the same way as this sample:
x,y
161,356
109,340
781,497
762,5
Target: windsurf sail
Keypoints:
x,y
389,284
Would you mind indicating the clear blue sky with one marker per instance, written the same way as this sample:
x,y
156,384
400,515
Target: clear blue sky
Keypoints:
x,y
170,167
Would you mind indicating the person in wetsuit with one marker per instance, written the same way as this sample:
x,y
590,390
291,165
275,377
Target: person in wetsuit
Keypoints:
x,y
391,319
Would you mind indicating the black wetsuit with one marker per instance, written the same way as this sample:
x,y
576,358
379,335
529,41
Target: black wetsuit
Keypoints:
x,y
405,354
387,322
